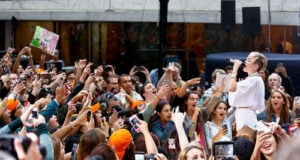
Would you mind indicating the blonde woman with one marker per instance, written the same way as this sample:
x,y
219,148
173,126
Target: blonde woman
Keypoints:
x,y
247,95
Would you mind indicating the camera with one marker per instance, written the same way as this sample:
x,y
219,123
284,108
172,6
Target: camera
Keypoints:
x,y
78,107
139,155
150,156
46,76
223,150
166,82
21,80
89,115
34,113
92,69
224,126
7,144
138,68
133,121
106,68
280,64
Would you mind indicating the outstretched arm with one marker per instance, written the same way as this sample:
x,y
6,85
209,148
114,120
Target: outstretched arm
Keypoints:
x,y
178,119
183,89
150,144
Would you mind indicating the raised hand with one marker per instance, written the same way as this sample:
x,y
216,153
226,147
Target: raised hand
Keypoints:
x,y
143,126
60,95
178,118
33,151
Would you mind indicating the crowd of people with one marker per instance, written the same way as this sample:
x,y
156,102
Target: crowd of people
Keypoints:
x,y
95,113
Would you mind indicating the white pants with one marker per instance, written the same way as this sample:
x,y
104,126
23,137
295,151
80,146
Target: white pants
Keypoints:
x,y
245,116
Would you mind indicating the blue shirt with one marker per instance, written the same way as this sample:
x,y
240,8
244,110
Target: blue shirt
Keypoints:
x,y
209,92
262,116
161,130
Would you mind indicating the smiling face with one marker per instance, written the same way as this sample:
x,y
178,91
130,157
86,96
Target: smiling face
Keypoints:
x,y
192,102
269,146
277,101
220,111
165,114
195,154
150,90
126,84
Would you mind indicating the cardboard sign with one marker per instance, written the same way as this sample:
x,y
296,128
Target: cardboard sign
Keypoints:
x,y
44,38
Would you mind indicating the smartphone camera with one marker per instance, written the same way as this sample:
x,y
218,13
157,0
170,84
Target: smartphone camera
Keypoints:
x,y
139,155
92,69
150,156
89,114
224,126
280,65
47,76
223,150
34,113
166,82
138,68
74,148
22,80
78,107
106,68
133,121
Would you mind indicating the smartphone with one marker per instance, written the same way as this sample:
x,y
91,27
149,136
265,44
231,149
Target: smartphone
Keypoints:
x,y
150,156
61,81
280,65
166,82
106,68
139,155
89,115
7,143
138,68
92,69
223,150
47,76
171,64
133,121
34,113
21,80
74,148
78,107
224,126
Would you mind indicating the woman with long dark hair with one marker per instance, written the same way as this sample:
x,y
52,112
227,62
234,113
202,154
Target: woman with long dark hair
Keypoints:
x,y
218,128
164,128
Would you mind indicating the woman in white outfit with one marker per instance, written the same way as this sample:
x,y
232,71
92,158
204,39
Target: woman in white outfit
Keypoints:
x,y
248,95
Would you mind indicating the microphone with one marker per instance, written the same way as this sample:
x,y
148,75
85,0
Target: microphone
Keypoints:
x,y
229,60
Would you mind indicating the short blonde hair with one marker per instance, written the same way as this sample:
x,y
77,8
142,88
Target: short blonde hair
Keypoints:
x,y
183,153
260,60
